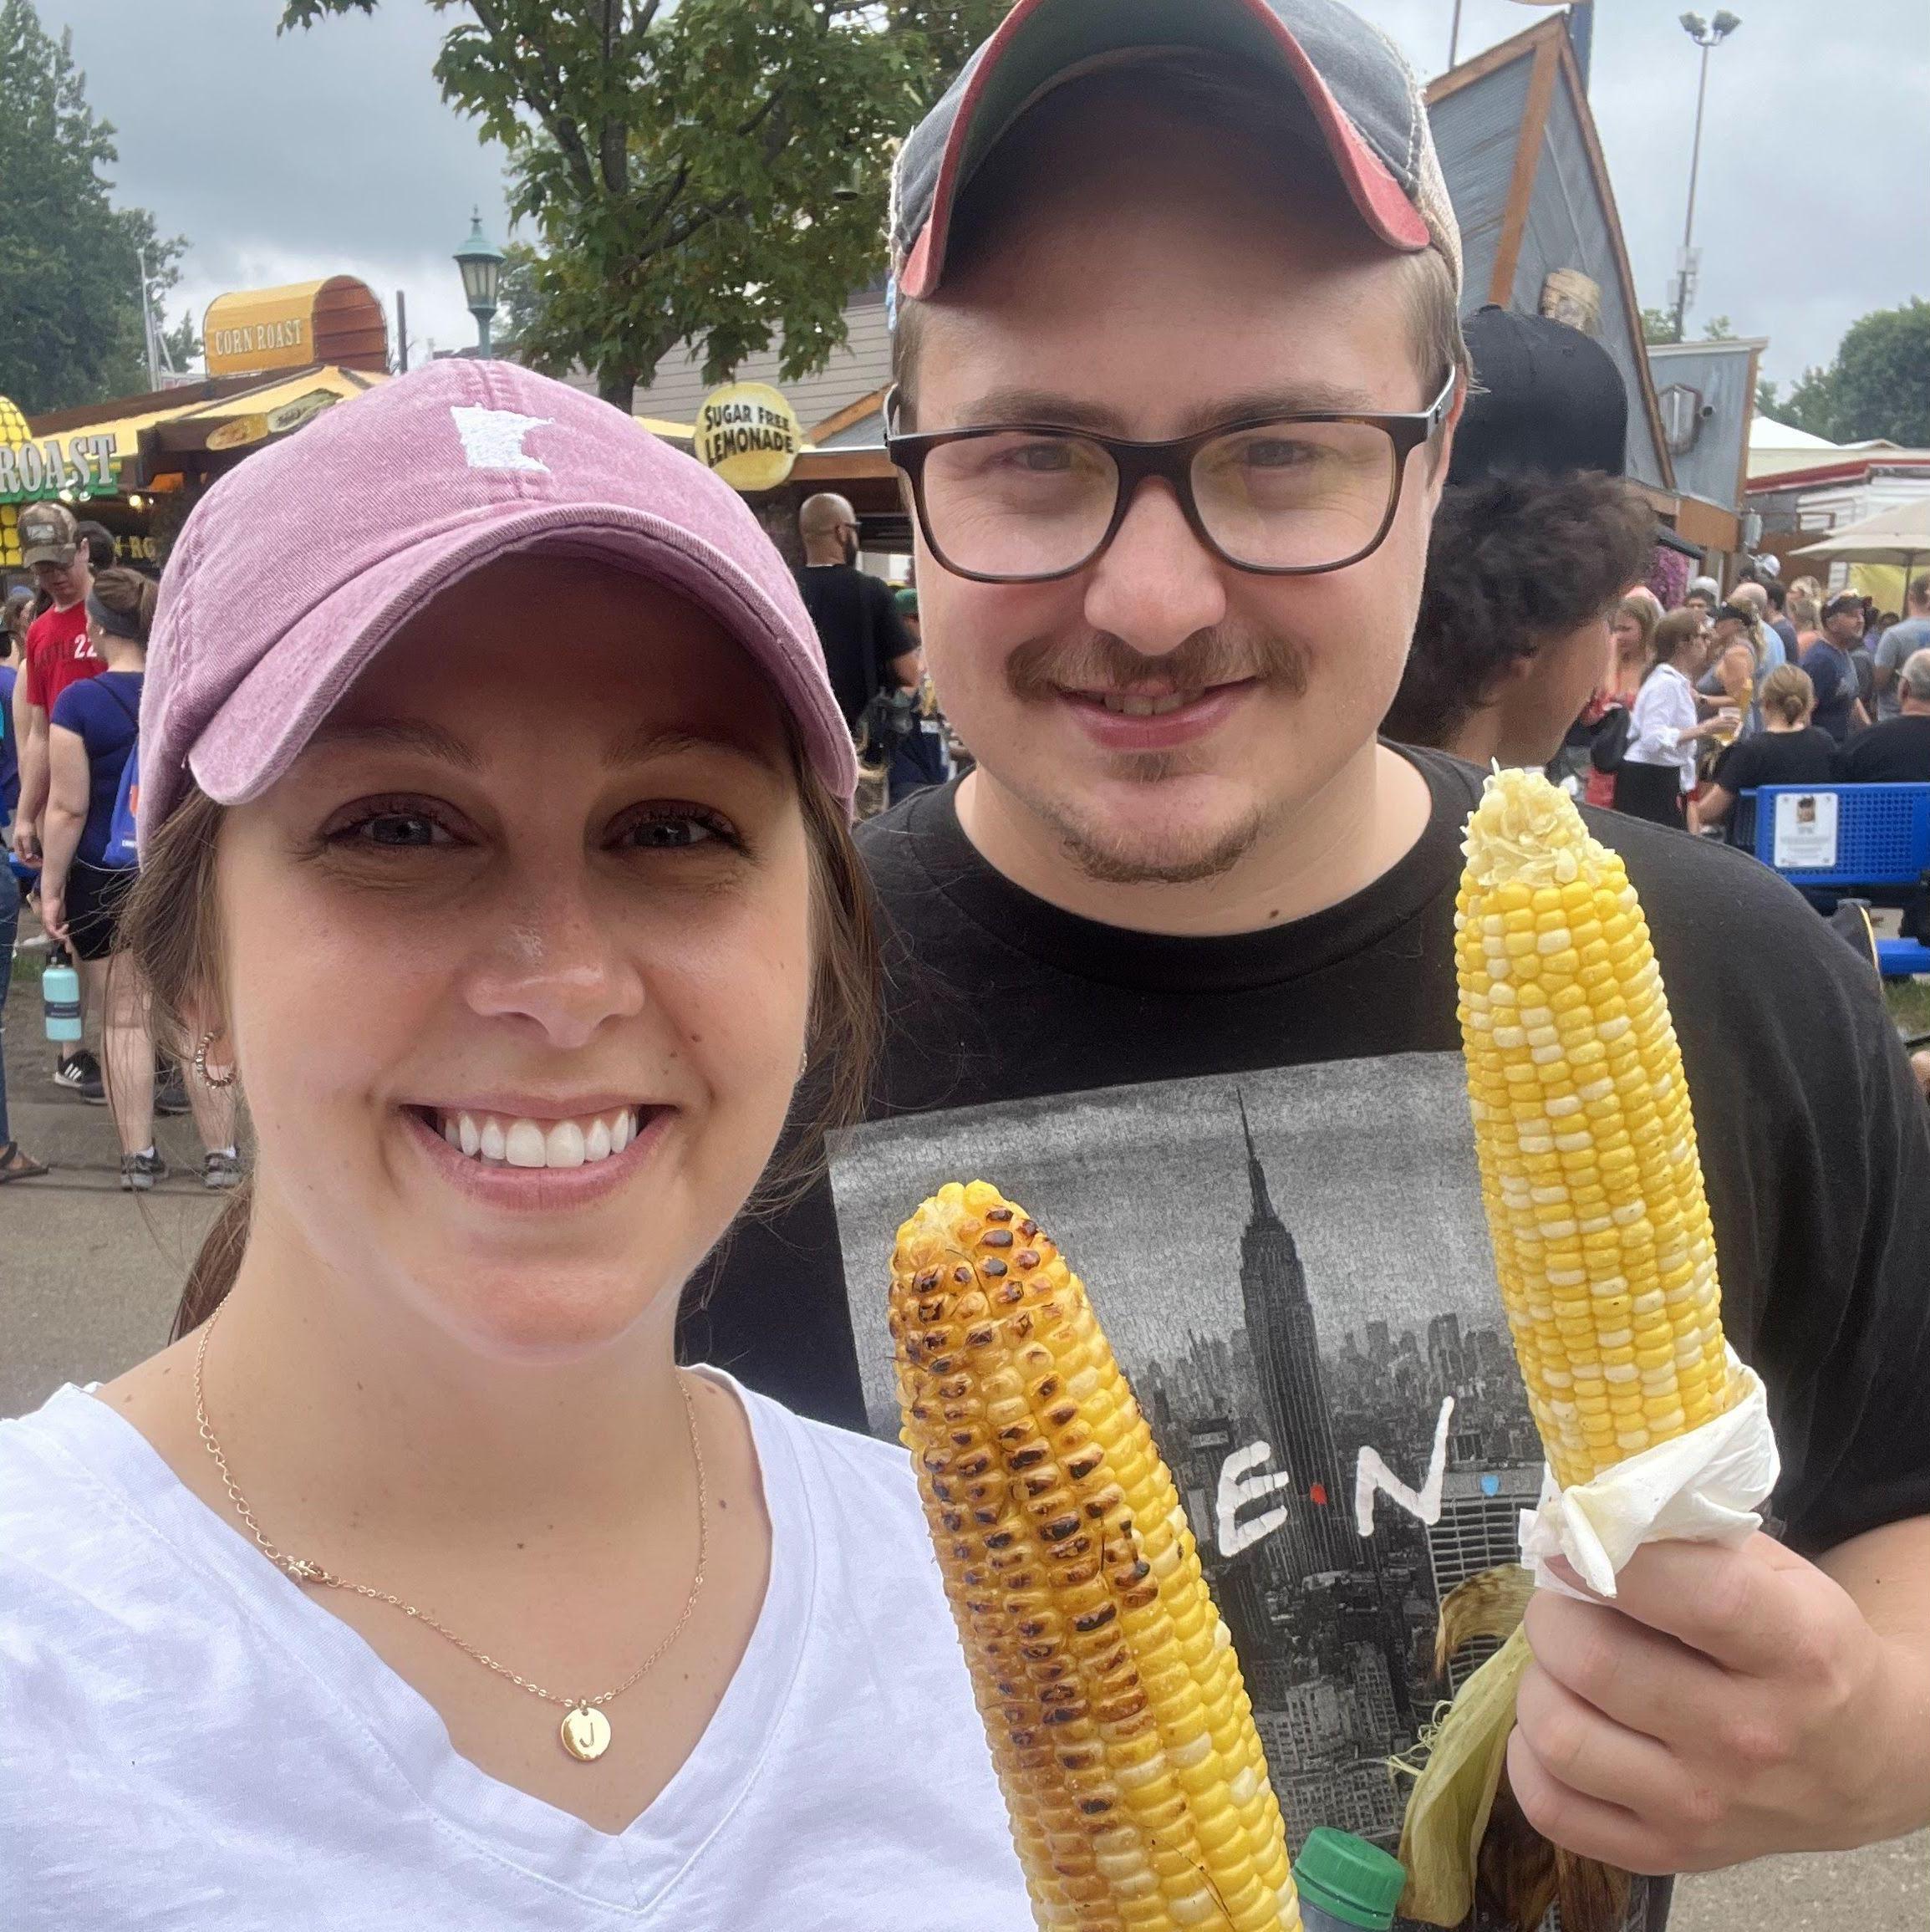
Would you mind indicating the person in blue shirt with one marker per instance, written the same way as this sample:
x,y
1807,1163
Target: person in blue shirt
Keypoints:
x,y
1839,702
18,606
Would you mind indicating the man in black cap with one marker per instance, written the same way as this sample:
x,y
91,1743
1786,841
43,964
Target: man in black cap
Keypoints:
x,y
1179,359
1839,706
1535,543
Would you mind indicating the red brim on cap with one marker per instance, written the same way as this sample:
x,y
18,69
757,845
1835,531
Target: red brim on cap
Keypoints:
x,y
1380,200
270,715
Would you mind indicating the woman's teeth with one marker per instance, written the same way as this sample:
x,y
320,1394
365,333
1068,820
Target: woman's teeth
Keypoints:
x,y
495,1137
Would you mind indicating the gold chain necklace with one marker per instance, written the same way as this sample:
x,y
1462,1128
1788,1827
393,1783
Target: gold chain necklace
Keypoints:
x,y
585,1730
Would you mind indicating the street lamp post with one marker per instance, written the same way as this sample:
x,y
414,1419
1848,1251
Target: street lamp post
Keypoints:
x,y
1706,34
482,266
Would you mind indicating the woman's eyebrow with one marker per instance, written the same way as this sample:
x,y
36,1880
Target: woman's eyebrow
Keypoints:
x,y
400,735
649,742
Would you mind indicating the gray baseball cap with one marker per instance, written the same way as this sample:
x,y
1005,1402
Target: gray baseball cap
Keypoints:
x,y
1364,99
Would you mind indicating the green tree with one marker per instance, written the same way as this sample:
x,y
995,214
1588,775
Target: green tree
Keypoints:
x,y
181,345
1879,384
70,328
1659,326
713,171
1811,404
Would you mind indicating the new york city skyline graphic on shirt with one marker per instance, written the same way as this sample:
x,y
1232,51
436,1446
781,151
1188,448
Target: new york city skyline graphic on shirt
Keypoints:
x,y
1293,1268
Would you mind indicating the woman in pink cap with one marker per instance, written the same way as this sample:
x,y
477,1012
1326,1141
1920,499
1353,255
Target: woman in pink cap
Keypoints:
x,y
414,1583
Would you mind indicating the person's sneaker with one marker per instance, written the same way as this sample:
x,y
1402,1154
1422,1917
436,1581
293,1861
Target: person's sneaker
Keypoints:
x,y
221,1171
169,1090
79,1073
141,1171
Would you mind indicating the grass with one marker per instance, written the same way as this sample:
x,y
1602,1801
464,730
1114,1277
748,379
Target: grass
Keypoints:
x,y
1909,1005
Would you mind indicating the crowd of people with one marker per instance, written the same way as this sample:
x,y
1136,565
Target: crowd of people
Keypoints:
x,y
591,1055
71,687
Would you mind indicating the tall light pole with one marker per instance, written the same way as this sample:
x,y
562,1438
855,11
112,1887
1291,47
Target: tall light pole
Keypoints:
x,y
1706,34
482,266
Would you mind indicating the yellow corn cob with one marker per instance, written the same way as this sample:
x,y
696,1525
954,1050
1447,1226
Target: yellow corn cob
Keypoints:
x,y
1585,1142
1122,1732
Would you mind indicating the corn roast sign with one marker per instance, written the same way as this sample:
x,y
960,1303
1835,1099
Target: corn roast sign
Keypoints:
x,y
749,435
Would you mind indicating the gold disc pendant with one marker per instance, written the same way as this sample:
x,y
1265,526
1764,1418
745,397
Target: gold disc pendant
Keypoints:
x,y
586,1733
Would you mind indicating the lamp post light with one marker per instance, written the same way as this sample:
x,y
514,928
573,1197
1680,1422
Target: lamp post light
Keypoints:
x,y
1706,34
482,266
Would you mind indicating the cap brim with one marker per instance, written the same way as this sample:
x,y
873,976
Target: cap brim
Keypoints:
x,y
60,555
1042,40
270,715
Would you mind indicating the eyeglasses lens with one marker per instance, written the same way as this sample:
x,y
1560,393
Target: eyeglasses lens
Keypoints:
x,y
1018,503
1295,496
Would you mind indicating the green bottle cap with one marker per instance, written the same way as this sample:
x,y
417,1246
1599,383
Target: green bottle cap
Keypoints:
x,y
1349,1879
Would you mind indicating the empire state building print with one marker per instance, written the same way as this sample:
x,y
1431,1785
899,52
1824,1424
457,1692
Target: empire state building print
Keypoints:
x,y
1284,1342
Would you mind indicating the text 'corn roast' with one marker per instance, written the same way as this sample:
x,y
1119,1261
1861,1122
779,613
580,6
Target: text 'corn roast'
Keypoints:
x,y
1121,1731
1585,1136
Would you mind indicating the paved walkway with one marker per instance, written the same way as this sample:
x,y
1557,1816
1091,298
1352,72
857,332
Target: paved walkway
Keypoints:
x,y
88,1278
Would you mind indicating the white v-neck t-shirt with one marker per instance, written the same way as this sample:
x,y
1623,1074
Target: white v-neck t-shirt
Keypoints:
x,y
189,1744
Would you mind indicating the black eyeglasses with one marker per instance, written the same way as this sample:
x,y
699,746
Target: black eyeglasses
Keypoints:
x,y
1285,496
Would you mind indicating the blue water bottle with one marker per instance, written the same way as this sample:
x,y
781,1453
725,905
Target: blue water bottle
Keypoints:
x,y
1345,1885
60,1000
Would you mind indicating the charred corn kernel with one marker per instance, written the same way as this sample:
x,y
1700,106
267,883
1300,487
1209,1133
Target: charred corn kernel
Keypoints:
x,y
1119,1726
1584,1137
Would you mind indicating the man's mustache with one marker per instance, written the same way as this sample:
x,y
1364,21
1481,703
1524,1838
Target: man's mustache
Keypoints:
x,y
1042,667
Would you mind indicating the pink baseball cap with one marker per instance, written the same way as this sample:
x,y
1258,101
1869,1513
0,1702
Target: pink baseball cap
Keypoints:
x,y
299,565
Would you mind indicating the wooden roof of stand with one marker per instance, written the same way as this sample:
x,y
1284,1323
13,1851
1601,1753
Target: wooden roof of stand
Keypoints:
x,y
1530,184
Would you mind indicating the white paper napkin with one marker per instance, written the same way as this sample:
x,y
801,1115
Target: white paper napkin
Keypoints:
x,y
1703,1487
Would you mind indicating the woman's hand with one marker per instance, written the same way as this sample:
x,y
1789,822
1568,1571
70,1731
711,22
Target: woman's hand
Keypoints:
x,y
54,908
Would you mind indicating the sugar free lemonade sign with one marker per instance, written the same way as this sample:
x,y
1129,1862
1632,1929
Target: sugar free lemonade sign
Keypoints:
x,y
749,435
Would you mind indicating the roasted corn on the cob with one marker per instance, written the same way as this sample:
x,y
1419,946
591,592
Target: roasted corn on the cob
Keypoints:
x,y
1121,1733
1585,1136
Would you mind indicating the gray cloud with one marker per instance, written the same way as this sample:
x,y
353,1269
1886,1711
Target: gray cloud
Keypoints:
x,y
282,158
330,152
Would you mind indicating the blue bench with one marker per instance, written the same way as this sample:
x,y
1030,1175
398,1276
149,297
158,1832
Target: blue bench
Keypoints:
x,y
1882,847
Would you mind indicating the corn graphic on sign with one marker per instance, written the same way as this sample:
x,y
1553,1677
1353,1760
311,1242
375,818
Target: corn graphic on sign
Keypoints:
x,y
1121,1733
1585,1136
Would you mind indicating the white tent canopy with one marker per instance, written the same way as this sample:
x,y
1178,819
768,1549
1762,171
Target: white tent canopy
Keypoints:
x,y
1898,536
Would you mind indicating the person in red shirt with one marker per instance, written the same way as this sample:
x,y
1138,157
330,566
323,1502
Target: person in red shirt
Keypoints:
x,y
57,653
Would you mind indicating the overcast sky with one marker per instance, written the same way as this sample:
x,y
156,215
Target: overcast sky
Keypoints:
x,y
330,152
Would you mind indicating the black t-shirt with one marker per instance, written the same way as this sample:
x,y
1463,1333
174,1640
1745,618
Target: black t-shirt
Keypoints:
x,y
1834,677
858,628
1804,757
1895,753
1256,1150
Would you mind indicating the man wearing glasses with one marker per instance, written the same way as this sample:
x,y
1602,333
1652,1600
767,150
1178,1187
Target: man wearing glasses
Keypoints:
x,y
1177,364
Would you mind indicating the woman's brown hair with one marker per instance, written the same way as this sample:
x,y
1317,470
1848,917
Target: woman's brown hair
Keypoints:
x,y
128,595
171,932
1788,693
1675,633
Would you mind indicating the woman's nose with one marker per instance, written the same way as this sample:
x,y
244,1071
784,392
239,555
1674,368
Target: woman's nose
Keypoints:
x,y
553,961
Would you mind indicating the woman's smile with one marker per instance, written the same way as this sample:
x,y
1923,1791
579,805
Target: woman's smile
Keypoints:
x,y
521,1164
